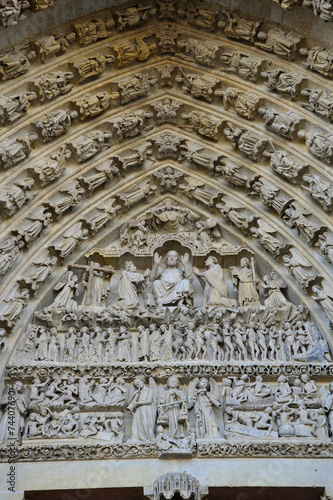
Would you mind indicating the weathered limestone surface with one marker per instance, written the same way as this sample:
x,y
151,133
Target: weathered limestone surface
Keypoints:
x,y
166,248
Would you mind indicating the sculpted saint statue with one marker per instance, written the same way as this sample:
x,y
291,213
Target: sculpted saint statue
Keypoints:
x,y
215,290
245,278
204,395
130,285
171,284
15,403
142,405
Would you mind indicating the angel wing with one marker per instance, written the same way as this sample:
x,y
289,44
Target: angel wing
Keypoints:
x,y
153,387
300,208
106,205
13,292
230,202
63,281
214,390
265,227
299,257
37,214
192,386
194,183
71,186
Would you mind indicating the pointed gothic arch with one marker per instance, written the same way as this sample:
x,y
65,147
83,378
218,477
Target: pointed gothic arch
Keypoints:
x,y
228,119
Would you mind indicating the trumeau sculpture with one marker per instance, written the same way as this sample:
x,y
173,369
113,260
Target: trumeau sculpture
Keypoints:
x,y
182,332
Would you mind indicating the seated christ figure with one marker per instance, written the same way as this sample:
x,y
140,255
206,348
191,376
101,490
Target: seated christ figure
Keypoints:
x,y
171,284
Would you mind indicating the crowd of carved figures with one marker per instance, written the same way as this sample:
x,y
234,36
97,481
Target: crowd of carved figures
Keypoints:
x,y
197,340
172,415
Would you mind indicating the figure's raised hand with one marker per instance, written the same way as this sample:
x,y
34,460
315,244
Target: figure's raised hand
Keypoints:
x,y
185,258
157,259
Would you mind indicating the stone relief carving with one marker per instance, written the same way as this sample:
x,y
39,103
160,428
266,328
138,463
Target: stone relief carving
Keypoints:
x,y
254,323
56,123
53,84
91,30
48,170
13,152
48,46
92,66
283,43
14,107
14,196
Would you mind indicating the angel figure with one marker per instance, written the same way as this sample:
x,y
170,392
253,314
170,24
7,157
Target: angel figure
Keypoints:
x,y
233,211
204,395
135,233
71,239
195,189
107,211
15,403
68,287
41,219
297,265
272,286
142,406
264,233
296,216
324,296
17,301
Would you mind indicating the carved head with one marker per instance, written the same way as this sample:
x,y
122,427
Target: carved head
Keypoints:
x,y
244,262
18,387
138,382
129,266
172,258
172,382
203,383
211,261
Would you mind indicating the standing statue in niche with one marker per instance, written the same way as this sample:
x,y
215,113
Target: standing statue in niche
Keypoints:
x,y
205,396
171,285
215,290
131,284
173,410
244,277
142,405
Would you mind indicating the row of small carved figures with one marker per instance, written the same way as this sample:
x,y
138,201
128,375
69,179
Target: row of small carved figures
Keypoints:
x,y
297,422
58,83
249,105
112,391
284,410
93,29
178,343
13,12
